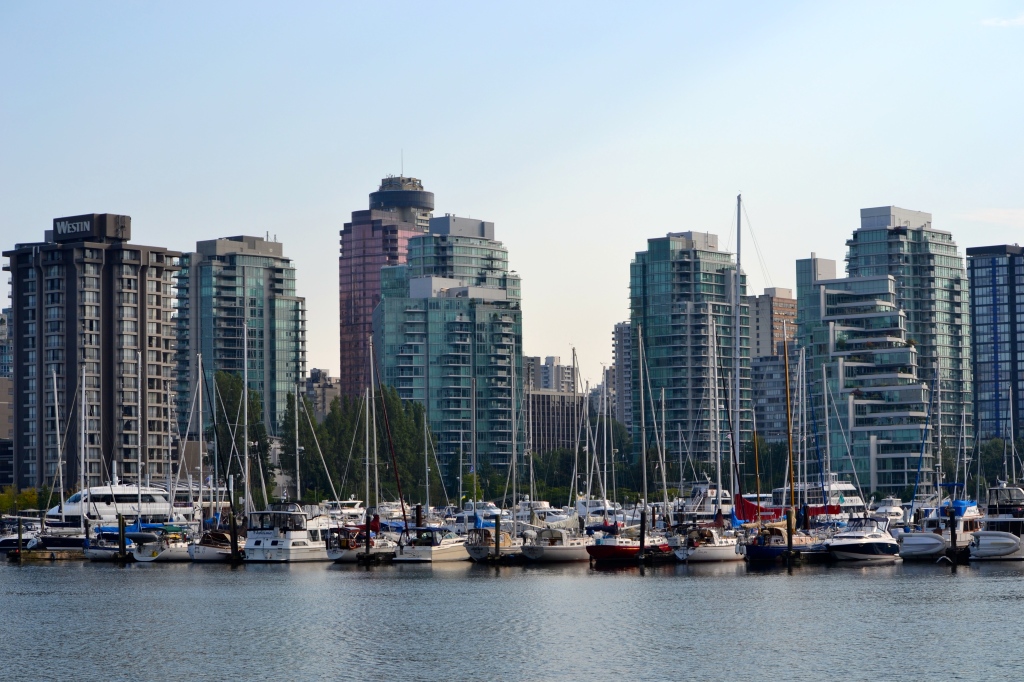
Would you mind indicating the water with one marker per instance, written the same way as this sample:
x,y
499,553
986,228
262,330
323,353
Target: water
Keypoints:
x,y
81,621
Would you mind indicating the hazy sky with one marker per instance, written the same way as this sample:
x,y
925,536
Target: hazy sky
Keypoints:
x,y
580,129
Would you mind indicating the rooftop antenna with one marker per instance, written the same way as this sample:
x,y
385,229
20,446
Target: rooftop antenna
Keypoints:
x,y
402,165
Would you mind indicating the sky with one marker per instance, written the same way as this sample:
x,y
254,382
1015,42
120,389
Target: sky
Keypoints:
x,y
581,129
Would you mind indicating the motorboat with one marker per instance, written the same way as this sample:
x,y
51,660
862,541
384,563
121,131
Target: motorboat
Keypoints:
x,y
429,544
607,511
103,504
707,543
704,503
171,544
480,544
1002,526
864,540
552,545
106,546
287,532
478,514
346,512
891,509
931,539
346,544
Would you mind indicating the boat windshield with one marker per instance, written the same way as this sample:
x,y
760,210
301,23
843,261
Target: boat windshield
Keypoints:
x,y
277,520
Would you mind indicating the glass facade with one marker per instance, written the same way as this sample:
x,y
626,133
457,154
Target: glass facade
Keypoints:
x,y
932,291
996,275
877,404
229,285
680,287
450,316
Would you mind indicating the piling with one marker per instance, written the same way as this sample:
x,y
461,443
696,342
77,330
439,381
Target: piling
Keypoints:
x,y
236,556
419,516
643,532
497,536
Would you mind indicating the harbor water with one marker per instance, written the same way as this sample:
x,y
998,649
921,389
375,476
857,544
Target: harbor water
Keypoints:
x,y
71,620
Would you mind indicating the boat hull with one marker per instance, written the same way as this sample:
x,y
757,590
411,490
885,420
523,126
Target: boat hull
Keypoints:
x,y
282,554
431,554
556,553
175,552
922,546
709,553
209,553
480,553
994,545
865,552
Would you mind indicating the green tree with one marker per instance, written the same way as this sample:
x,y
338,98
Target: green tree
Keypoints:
x,y
230,434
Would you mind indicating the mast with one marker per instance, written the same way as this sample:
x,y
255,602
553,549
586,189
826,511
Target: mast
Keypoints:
x,y
716,449
664,462
298,484
515,444
736,351
60,447
81,458
472,442
373,403
366,451
828,431
643,416
245,407
789,420
426,462
202,438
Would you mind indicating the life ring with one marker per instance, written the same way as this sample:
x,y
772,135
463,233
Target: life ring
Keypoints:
x,y
353,543
371,543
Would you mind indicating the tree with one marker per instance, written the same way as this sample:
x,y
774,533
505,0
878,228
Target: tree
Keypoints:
x,y
230,437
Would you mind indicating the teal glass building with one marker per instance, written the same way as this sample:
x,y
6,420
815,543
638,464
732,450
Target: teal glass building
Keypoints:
x,y
449,319
680,287
225,284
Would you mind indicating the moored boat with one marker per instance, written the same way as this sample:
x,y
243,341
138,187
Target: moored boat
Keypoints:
x,y
864,540
287,532
552,545
707,543
421,545
1002,526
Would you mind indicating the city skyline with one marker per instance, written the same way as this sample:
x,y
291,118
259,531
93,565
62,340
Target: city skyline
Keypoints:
x,y
574,132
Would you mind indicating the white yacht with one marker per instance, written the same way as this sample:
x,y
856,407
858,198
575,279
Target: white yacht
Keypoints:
x,y
703,503
891,509
865,540
103,504
553,545
346,512
708,544
1002,526
600,509
841,494
419,545
287,532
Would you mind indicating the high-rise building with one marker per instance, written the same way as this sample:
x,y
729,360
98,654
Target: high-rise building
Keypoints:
x,y
768,377
550,374
931,288
554,418
321,390
448,318
996,275
6,350
86,300
227,285
681,288
774,319
375,238
622,356
877,404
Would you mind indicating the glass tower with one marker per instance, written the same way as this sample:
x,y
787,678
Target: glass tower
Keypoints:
x,y
448,317
931,289
996,275
680,287
227,285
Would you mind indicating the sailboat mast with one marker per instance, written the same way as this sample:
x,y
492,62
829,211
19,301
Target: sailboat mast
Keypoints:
x,y
81,457
515,444
298,474
789,419
245,408
736,349
366,450
202,439
643,416
715,444
426,462
60,448
373,403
